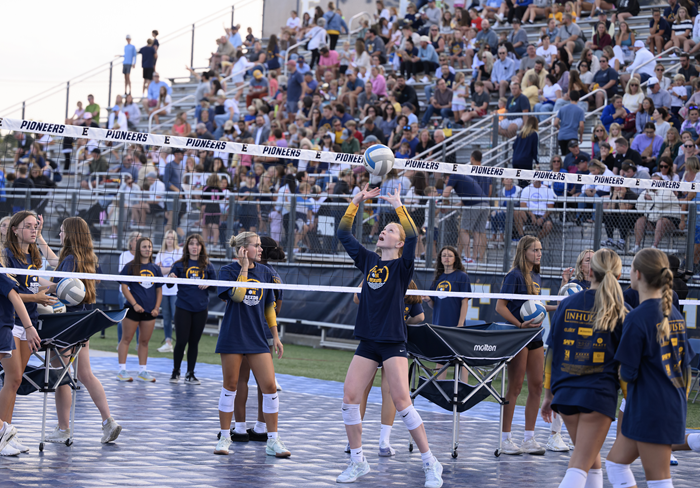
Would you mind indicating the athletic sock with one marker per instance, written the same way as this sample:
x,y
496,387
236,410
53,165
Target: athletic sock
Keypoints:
x,y
529,434
260,427
356,455
272,435
240,428
427,458
574,478
694,442
660,483
505,436
225,432
385,435
595,478
142,368
2,428
104,422
122,367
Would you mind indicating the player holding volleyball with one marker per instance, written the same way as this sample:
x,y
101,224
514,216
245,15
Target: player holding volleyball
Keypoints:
x,y
248,311
581,380
654,357
382,331
523,279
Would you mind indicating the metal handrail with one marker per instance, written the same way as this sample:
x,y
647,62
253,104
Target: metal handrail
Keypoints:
x,y
669,50
357,16
286,54
436,148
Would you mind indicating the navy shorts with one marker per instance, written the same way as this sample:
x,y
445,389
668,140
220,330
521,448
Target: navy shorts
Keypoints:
x,y
381,351
535,345
132,314
7,342
570,409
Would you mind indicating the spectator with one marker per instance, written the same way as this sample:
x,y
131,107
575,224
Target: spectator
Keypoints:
x,y
570,120
316,36
431,17
682,29
295,81
532,91
487,37
570,36
606,156
234,36
202,132
96,164
260,130
547,51
118,117
334,24
551,31
172,180
93,109
516,104
375,46
614,113
624,40
351,145
230,112
148,63
634,96
659,32
259,88
606,79
406,93
154,92
378,82
648,145
689,72
127,167
366,99
625,154
409,137
329,61
225,53
129,62
502,74
354,87
574,157
538,70
442,101
660,97
690,150
439,138
526,145
474,215
666,169
672,139
692,124
479,103
643,64
660,212
601,39
518,36
163,105
626,9
536,202
132,112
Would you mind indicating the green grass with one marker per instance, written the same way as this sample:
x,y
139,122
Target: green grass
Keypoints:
x,y
323,364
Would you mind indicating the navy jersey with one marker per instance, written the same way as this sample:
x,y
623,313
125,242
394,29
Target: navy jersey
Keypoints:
x,y
412,310
656,398
7,310
243,326
190,297
68,266
380,314
28,285
585,284
584,369
632,298
144,292
446,310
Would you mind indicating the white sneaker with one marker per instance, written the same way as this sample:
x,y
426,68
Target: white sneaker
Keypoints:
x,y
410,81
275,447
353,471
58,436
110,431
674,461
499,17
433,475
7,435
635,249
8,450
167,347
17,444
425,79
556,443
511,448
532,447
277,385
223,445
385,450
146,376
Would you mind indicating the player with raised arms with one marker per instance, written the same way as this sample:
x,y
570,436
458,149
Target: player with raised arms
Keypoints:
x,y
579,274
22,252
654,356
77,256
523,279
382,331
144,303
191,305
581,380
242,334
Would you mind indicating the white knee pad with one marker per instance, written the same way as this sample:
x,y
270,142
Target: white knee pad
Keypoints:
x,y
660,483
226,400
694,442
623,404
619,475
271,403
557,423
595,479
411,418
351,414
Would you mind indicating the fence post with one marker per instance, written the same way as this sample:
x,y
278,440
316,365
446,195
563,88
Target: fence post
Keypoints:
x,y
68,97
230,221
232,7
598,226
429,234
74,205
359,222
23,107
690,245
176,212
494,131
122,221
289,231
191,51
508,235
109,92
28,200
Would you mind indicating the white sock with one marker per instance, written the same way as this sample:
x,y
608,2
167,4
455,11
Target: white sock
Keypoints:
x,y
2,428
574,478
385,435
529,434
225,433
356,455
660,483
142,368
260,427
272,435
694,442
104,422
595,478
122,367
240,428
427,458
505,436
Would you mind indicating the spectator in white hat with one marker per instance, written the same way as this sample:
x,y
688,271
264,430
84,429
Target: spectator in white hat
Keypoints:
x,y
641,56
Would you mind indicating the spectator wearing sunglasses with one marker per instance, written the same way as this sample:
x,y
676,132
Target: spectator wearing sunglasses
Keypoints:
x,y
666,170
648,145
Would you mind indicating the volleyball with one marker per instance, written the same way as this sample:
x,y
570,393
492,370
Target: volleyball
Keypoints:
x,y
378,160
533,310
71,291
58,307
570,289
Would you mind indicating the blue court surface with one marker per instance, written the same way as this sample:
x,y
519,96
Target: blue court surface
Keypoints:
x,y
169,434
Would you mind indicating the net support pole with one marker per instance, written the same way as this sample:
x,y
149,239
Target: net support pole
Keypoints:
x,y
122,221
598,225
358,223
429,234
28,200
508,235
230,220
191,51
174,223
74,205
24,105
494,131
690,242
291,224
232,9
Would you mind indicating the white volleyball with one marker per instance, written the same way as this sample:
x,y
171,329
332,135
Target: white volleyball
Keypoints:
x,y
533,309
378,160
570,289
71,291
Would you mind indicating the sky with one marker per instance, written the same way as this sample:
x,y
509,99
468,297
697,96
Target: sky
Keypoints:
x,y
58,41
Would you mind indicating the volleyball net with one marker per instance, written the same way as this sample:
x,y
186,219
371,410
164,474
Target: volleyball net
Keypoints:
x,y
119,182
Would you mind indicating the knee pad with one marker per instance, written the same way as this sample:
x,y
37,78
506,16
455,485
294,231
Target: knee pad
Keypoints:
x,y
226,400
623,404
411,418
694,442
595,479
660,483
619,475
271,403
351,414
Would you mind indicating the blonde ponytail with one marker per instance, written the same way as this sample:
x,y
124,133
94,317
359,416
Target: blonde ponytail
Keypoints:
x,y
609,306
653,265
664,329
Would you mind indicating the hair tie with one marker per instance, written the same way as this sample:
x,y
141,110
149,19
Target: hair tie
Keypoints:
x,y
666,317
